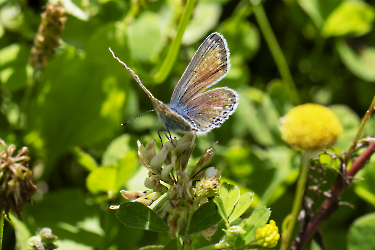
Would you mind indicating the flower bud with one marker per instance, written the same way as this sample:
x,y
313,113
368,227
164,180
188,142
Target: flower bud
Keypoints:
x,y
203,161
232,234
268,236
310,127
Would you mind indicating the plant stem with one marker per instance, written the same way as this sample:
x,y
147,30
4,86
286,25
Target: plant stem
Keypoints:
x,y
2,214
298,198
171,57
359,132
278,55
331,202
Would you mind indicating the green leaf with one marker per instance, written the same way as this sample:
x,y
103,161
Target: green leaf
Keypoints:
x,y
79,9
14,70
69,244
152,247
21,232
243,39
350,122
112,35
102,179
242,205
112,177
206,216
77,103
172,245
361,64
145,36
361,233
351,17
201,23
271,116
313,9
253,118
116,150
137,215
257,219
85,159
127,167
228,197
281,173
69,216
365,188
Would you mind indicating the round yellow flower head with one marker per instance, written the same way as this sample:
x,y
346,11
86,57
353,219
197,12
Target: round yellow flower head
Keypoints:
x,y
310,127
268,236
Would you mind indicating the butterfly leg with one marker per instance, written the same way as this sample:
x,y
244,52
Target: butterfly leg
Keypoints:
x,y
168,135
162,130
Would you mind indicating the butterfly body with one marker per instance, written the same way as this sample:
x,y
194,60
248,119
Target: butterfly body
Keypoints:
x,y
191,110
171,118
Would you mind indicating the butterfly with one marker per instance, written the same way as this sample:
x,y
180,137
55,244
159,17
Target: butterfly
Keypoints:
x,y
191,110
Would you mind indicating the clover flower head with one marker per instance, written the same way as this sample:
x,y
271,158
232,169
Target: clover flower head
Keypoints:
x,y
44,240
171,190
310,127
268,236
16,186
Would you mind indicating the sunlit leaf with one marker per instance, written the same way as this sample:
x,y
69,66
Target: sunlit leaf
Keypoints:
x,y
146,38
112,177
361,64
201,23
313,9
14,72
116,150
242,205
258,218
351,17
85,159
75,8
228,197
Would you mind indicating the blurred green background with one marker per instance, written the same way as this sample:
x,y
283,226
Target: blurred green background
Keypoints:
x,y
69,113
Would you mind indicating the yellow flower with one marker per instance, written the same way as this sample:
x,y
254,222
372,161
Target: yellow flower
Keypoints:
x,y
310,127
268,236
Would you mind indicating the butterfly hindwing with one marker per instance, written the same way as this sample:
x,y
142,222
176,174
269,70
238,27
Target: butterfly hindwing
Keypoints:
x,y
210,109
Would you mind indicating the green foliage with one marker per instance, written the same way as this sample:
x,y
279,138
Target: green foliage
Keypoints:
x,y
137,215
231,206
205,217
258,218
69,113
361,233
350,17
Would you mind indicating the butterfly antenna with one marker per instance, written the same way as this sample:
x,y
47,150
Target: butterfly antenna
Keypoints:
x,y
137,117
134,75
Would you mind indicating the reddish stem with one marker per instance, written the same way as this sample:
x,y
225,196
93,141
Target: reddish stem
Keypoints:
x,y
330,204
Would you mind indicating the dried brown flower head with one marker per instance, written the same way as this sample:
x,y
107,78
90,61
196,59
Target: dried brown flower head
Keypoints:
x,y
16,187
48,36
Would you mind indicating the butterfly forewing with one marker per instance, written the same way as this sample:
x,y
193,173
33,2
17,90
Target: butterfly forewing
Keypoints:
x,y
210,109
208,66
